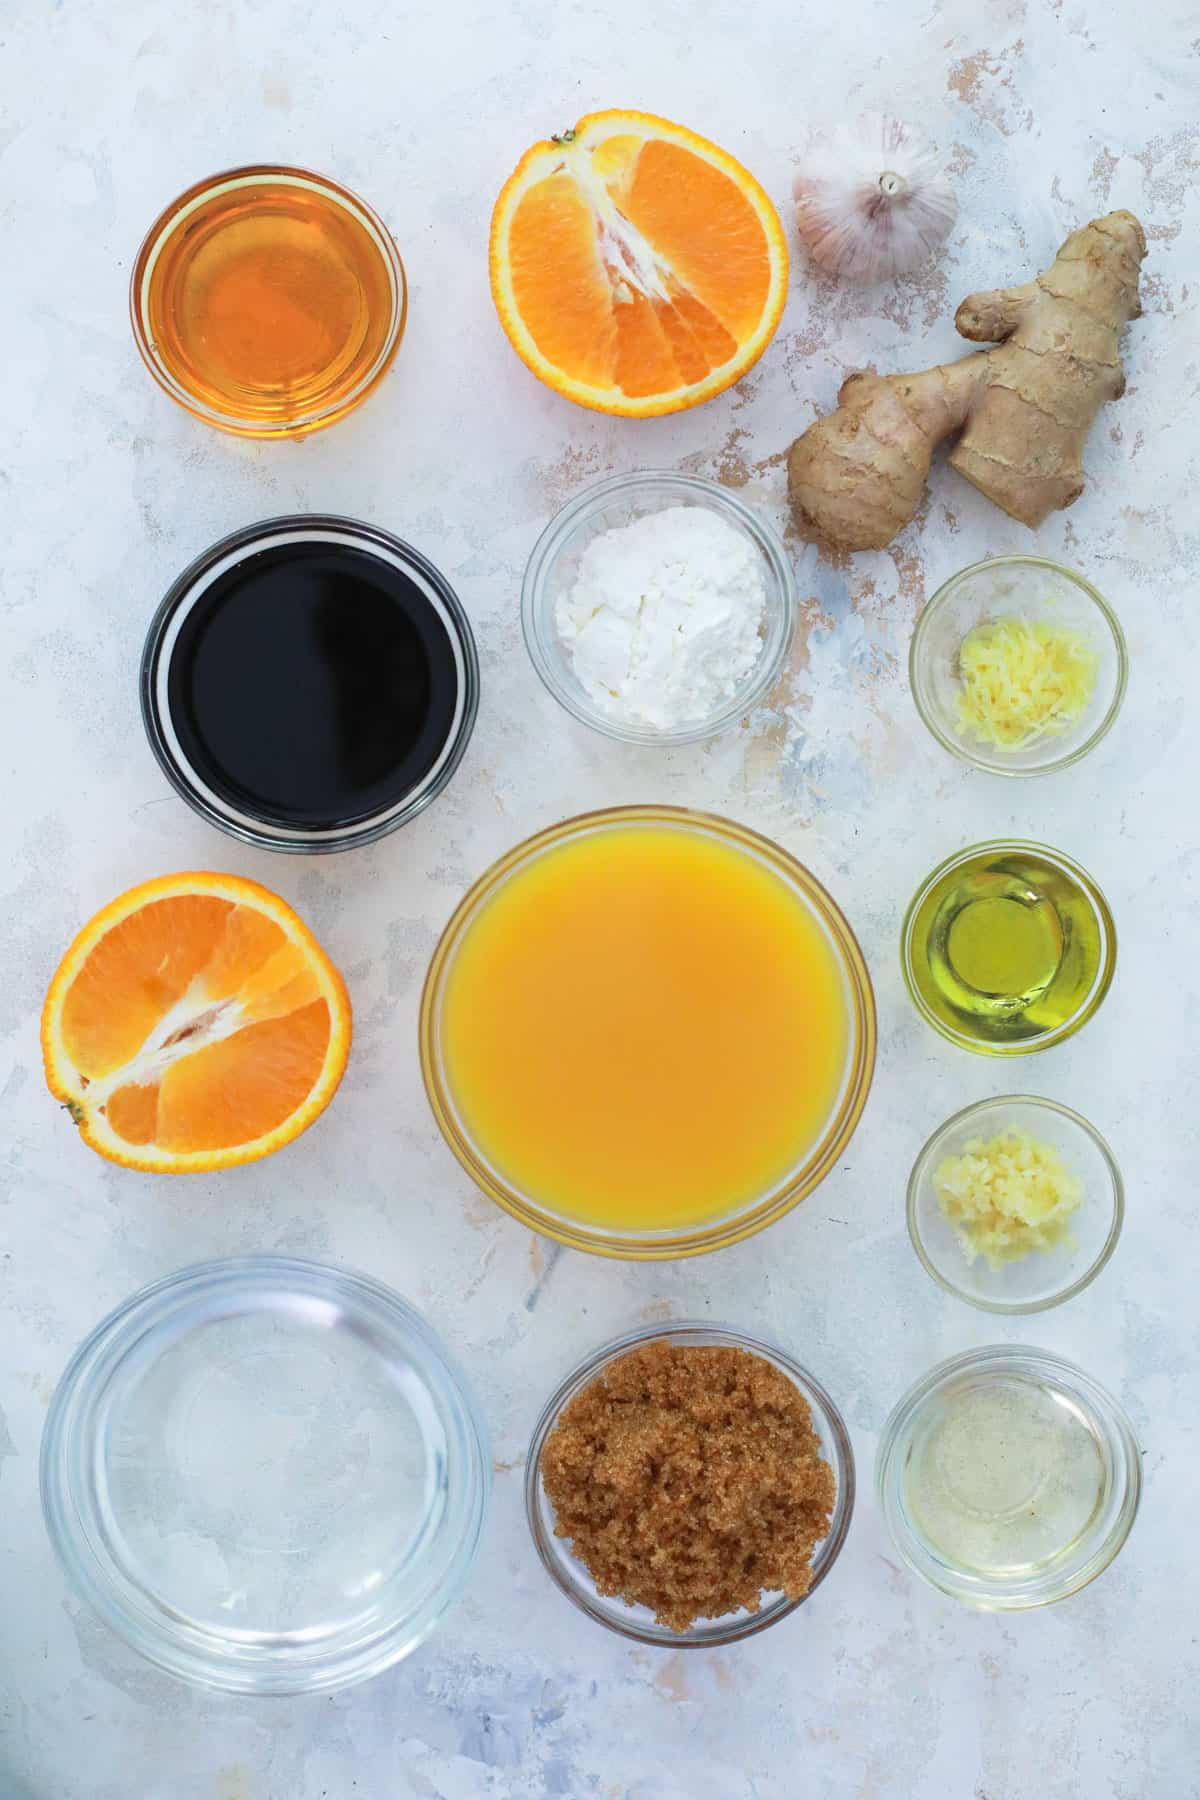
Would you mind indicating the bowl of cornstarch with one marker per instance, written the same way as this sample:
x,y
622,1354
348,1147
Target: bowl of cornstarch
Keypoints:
x,y
658,608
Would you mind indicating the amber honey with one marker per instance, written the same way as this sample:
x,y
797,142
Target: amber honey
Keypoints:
x,y
268,301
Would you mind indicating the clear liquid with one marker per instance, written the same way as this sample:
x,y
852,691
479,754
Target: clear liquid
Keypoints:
x,y
268,1478
1004,1477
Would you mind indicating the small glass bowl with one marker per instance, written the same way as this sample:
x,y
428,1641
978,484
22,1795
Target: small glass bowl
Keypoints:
x,y
267,1476
1031,587
269,413
1056,1382
618,501
912,949
570,1575
1043,1278
656,1244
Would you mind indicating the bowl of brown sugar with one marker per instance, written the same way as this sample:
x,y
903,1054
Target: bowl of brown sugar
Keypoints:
x,y
689,1487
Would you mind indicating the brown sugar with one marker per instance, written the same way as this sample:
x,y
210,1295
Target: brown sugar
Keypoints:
x,y
689,1479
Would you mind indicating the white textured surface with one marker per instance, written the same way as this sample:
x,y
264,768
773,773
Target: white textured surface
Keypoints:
x,y
878,1688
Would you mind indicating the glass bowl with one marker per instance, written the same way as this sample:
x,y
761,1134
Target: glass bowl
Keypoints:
x,y
1077,1451
1060,878
268,411
619,501
267,1476
240,814
570,1575
1032,587
657,1244
1042,1278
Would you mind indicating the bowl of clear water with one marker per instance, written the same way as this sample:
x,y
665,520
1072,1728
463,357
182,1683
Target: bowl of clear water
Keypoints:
x,y
268,1476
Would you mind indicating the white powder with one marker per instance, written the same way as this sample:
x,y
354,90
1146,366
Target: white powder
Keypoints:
x,y
663,622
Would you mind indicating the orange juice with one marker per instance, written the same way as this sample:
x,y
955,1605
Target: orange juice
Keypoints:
x,y
644,1027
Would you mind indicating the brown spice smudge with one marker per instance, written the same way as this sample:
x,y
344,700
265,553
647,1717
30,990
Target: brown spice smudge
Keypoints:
x,y
1103,170
966,76
689,1479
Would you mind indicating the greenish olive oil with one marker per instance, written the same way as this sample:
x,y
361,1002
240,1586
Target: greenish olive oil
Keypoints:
x,y
1009,947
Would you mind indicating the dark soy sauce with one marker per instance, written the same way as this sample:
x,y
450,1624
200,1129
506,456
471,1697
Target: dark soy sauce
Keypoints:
x,y
313,685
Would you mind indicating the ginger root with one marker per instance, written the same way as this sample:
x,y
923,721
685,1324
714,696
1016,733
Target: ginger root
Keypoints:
x,y
1024,409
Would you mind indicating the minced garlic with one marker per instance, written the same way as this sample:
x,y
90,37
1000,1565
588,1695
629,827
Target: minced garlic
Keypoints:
x,y
1023,680
1007,1196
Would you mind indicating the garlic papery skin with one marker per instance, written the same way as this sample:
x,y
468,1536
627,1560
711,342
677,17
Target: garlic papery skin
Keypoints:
x,y
873,199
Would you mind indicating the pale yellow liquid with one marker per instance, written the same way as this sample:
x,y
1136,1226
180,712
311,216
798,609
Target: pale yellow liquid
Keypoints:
x,y
1003,1477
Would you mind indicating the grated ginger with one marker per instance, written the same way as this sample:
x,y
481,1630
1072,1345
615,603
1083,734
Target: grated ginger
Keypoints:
x,y
1007,1196
1022,681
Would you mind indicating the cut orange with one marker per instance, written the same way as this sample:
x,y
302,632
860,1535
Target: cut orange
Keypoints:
x,y
194,1023
636,268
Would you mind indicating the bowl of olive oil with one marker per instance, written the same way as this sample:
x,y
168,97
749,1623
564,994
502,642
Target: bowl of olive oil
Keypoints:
x,y
1008,947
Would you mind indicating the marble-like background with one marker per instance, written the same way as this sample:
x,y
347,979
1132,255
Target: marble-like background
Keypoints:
x,y
1057,109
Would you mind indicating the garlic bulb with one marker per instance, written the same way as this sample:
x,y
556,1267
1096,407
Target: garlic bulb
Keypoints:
x,y
873,200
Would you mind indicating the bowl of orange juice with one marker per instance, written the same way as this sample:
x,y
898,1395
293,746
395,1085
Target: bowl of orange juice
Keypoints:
x,y
647,1032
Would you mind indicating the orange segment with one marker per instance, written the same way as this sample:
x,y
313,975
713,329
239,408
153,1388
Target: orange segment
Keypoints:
x,y
138,970
705,229
193,1024
245,1086
572,320
133,1112
636,268
645,363
284,984
716,344
690,357
247,942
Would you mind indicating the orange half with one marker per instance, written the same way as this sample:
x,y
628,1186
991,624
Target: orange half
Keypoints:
x,y
193,1024
637,268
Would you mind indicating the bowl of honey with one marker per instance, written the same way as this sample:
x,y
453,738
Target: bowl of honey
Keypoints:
x,y
268,301
647,1032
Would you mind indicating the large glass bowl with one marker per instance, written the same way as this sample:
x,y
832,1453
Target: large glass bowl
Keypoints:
x,y
657,1244
1034,588
568,1572
266,1475
618,501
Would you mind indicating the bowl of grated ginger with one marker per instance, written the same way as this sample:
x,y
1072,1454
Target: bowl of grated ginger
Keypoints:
x,y
1018,665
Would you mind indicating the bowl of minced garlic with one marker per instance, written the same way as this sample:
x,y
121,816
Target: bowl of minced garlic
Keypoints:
x,y
1015,1204
689,1486
1018,665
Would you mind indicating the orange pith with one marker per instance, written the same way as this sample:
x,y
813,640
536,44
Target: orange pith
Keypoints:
x,y
636,268
194,1023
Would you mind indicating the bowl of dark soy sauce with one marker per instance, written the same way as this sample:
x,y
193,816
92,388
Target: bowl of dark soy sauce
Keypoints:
x,y
310,683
